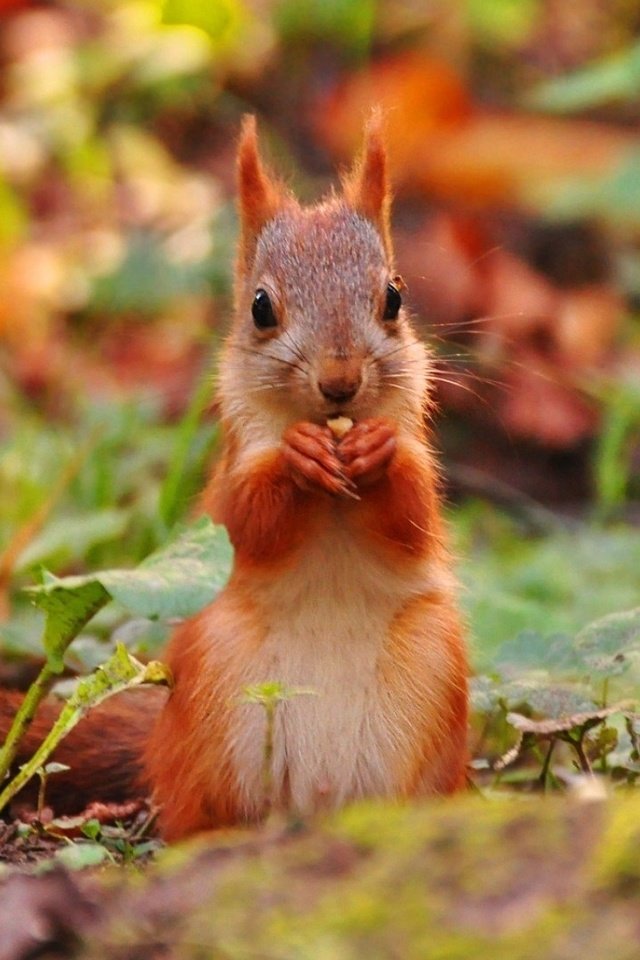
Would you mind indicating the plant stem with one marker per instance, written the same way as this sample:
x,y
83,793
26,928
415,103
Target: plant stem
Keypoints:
x,y
544,773
25,714
41,792
578,746
635,741
267,760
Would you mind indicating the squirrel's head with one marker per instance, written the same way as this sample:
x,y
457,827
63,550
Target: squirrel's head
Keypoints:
x,y
320,328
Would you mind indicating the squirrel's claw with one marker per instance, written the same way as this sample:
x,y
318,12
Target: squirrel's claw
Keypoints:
x,y
311,454
367,450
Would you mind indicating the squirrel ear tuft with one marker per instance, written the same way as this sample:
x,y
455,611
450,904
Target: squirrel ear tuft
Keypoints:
x,y
259,195
366,187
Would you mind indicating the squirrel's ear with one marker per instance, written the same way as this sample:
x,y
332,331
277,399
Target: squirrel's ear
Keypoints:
x,y
366,187
260,196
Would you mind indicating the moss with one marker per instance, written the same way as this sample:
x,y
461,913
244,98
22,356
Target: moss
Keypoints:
x,y
455,880
616,866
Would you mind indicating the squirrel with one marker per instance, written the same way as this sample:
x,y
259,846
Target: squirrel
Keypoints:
x,y
342,583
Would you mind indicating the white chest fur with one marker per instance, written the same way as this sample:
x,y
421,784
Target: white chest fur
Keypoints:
x,y
328,624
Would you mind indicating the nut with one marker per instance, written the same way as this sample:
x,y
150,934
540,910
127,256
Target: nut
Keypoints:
x,y
339,426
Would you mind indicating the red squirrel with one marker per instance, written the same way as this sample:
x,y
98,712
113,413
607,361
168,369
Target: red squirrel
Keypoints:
x,y
342,583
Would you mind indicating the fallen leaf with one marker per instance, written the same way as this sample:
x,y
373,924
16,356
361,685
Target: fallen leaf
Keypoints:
x,y
546,728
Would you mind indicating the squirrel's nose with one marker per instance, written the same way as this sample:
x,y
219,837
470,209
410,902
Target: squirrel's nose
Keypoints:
x,y
339,389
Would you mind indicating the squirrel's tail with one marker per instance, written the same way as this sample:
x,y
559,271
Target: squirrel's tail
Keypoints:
x,y
104,751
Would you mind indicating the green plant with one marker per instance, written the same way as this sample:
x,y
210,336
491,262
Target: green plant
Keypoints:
x,y
270,696
558,689
118,841
618,438
174,582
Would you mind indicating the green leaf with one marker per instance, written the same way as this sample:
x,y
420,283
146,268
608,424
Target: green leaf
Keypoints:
x,y
604,648
553,584
69,538
174,582
91,829
273,692
547,698
53,767
531,650
147,279
502,21
120,672
484,694
540,695
611,645
348,23
614,197
178,580
67,610
221,20
78,856
14,217
615,78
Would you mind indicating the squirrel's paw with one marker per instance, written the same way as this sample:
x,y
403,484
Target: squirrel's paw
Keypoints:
x,y
310,451
367,450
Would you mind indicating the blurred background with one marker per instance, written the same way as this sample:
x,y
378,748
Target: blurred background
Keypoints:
x,y
513,134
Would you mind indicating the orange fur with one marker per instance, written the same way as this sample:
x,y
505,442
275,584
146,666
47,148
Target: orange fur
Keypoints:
x,y
185,756
264,512
440,759
366,188
401,514
341,578
260,195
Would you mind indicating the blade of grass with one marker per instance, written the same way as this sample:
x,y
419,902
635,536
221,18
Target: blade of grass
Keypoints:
x,y
25,533
172,493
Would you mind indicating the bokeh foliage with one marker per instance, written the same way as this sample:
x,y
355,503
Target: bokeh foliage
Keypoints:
x,y
117,129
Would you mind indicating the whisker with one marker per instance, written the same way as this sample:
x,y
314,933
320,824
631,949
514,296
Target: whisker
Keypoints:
x,y
463,386
291,344
261,388
467,355
478,377
401,386
270,356
462,324
486,253
547,375
377,357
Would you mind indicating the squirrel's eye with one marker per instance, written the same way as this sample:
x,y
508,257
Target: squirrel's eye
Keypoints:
x,y
392,303
262,311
